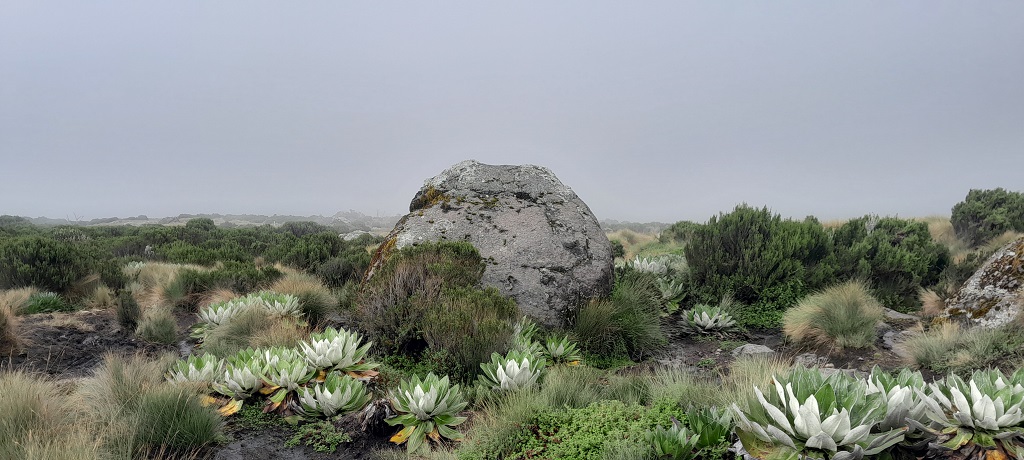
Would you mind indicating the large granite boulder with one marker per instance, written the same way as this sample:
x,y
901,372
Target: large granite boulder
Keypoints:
x,y
994,295
543,246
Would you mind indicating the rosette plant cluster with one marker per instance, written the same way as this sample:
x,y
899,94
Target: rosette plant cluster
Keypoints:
x,y
220,313
805,415
980,418
427,410
706,319
324,375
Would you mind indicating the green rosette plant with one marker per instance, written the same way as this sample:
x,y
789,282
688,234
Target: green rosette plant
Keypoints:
x,y
709,430
982,416
286,370
511,372
196,368
562,351
523,334
427,409
337,350
243,375
338,394
706,319
805,415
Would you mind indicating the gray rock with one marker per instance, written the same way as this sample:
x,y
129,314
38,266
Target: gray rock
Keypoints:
x,y
752,349
353,235
994,295
810,360
895,315
543,246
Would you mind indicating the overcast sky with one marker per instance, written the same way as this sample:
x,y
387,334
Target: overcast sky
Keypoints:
x,y
648,110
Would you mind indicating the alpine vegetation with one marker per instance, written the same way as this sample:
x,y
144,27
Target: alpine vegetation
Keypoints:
x,y
706,319
513,371
807,415
427,409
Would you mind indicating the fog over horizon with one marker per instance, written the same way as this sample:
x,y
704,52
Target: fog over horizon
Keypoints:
x,y
653,111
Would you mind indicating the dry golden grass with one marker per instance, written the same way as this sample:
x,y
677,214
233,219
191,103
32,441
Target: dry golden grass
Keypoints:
x,y
941,230
282,332
39,420
16,299
101,298
932,304
315,299
152,278
632,241
834,223
217,296
1000,241
10,341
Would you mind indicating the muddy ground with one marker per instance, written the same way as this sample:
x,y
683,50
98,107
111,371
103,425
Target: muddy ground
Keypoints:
x,y
68,346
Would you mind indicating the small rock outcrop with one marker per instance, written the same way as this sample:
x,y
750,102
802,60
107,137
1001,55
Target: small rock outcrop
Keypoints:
x,y
994,295
543,246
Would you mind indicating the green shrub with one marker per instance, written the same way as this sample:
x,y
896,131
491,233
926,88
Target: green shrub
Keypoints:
x,y
158,326
626,323
190,285
896,256
679,232
587,432
322,436
471,324
405,287
764,261
128,311
43,263
46,302
985,214
842,316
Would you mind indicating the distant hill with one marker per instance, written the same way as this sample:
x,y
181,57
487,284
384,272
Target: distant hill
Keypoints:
x,y
343,222
651,228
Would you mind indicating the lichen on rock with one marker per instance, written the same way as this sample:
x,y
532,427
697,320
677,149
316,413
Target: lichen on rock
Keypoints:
x,y
543,245
994,295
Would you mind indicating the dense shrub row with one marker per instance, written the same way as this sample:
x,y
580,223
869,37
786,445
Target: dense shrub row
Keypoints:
x,y
54,258
986,214
769,263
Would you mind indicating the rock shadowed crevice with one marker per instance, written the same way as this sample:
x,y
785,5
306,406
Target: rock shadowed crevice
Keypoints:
x,y
543,245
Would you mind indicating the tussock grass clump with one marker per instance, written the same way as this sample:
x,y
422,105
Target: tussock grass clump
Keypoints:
x,y
138,413
128,311
39,421
10,341
932,304
101,298
172,418
928,349
46,302
626,323
253,328
952,347
842,316
158,326
315,299
17,299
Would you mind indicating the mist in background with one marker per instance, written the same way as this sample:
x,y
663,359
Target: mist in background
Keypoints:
x,y
653,111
